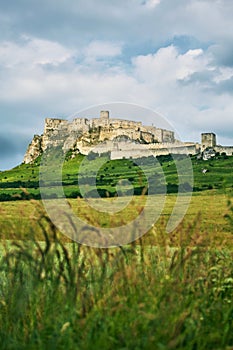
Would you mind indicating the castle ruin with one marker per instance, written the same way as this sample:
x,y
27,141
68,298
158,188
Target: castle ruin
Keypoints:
x,y
208,140
209,146
123,138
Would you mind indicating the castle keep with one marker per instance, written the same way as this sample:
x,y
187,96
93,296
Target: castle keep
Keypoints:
x,y
208,140
123,138
209,146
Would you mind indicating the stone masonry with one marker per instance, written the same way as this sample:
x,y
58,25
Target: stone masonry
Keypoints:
x,y
123,138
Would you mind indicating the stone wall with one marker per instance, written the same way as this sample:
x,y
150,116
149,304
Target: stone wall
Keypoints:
x,y
82,134
228,150
79,124
136,151
208,140
55,132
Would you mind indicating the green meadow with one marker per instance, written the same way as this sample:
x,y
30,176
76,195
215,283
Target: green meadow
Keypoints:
x,y
163,291
208,211
215,173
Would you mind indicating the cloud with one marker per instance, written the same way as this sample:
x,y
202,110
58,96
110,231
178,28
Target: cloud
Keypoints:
x,y
168,79
99,49
223,53
32,51
167,64
172,56
151,3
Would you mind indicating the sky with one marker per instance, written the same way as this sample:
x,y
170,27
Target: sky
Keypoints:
x,y
58,57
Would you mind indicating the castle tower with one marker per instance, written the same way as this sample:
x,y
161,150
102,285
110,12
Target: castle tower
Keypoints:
x,y
104,115
208,140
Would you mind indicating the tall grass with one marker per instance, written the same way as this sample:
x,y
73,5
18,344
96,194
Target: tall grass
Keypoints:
x,y
57,295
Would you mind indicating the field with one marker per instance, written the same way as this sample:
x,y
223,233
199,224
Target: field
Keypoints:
x,y
207,211
163,291
212,174
175,294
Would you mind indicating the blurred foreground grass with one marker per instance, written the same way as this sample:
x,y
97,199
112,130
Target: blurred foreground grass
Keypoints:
x,y
164,291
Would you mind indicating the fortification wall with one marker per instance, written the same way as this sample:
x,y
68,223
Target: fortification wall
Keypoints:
x,y
143,151
147,137
158,135
150,129
125,124
133,153
82,135
97,122
168,136
79,124
55,124
110,134
228,150
55,132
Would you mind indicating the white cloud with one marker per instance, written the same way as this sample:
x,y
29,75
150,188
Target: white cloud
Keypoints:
x,y
34,70
152,3
33,51
101,49
169,65
162,80
123,51
225,73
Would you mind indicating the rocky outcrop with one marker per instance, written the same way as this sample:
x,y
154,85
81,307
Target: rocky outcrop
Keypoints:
x,y
34,149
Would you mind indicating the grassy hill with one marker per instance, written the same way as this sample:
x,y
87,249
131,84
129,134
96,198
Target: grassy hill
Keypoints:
x,y
22,182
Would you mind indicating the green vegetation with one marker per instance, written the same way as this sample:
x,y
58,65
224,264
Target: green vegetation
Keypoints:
x,y
19,219
175,295
163,291
212,174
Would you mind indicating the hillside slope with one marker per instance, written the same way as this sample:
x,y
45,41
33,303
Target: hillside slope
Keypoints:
x,y
22,182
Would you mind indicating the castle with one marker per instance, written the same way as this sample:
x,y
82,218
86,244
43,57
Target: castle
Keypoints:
x,y
122,138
